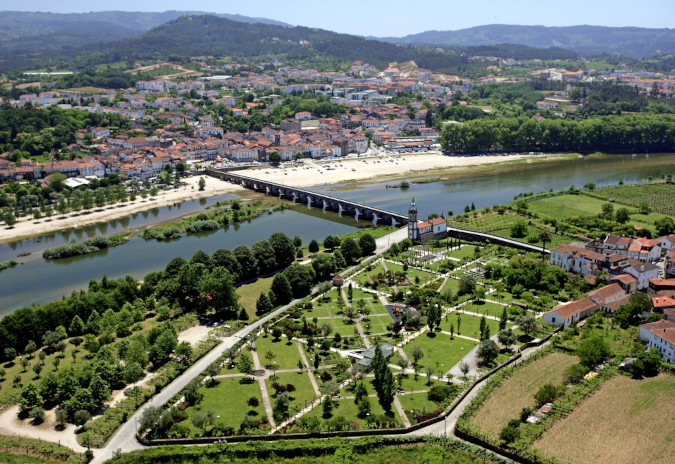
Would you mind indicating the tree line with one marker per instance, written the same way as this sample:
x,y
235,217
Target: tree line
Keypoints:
x,y
637,133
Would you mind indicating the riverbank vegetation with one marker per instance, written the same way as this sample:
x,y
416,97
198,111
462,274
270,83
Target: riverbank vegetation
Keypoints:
x,y
7,264
91,245
632,133
219,215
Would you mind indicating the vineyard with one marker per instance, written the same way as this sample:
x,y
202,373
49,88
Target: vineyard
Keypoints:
x,y
659,196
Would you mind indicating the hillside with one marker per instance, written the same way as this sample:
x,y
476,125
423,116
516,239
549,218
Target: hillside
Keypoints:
x,y
210,35
629,41
25,31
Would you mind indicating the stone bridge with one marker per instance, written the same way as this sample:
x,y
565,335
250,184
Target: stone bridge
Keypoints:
x,y
313,199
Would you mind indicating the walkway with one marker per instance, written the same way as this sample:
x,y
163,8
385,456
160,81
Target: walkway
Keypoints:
x,y
263,389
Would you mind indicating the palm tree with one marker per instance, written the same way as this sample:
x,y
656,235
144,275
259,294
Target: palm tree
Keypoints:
x,y
544,237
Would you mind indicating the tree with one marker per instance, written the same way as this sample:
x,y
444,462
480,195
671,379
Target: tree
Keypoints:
x,y
434,313
417,354
132,373
503,320
301,278
218,290
363,407
592,351
622,215
429,371
488,351
647,363
245,365
247,262
263,305
519,229
664,226
280,409
31,346
202,183
313,246
528,324
467,285
274,157
547,394
509,434
280,290
367,244
544,237
506,337
327,408
61,418
464,368
607,211
350,250
264,255
631,313
37,368
284,248
29,398
387,389
82,416
323,265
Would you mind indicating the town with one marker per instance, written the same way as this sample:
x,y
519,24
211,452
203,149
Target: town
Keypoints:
x,y
230,239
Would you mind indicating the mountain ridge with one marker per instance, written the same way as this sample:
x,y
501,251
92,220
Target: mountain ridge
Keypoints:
x,y
635,42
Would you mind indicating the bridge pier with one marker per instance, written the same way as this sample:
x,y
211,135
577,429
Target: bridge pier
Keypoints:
x,y
357,213
267,190
393,222
325,205
375,219
309,201
340,209
295,196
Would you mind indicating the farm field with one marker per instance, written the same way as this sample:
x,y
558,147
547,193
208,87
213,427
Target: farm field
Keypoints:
x,y
602,429
517,391
658,195
584,205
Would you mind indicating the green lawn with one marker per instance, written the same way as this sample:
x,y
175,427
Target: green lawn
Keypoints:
x,y
340,326
378,324
347,409
416,403
329,309
364,276
469,326
227,399
410,384
482,307
465,251
440,351
286,355
249,293
303,389
412,273
452,285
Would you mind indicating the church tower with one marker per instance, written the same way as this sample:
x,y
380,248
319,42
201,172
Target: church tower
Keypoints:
x,y
413,231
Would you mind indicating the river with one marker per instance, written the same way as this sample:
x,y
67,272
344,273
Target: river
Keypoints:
x,y
39,281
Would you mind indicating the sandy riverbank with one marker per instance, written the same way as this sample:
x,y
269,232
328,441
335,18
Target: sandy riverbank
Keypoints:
x,y
28,227
309,173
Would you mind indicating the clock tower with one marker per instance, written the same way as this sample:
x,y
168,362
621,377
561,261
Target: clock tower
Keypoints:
x,y
413,231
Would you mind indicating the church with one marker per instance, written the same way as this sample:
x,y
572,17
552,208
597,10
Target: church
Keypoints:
x,y
423,231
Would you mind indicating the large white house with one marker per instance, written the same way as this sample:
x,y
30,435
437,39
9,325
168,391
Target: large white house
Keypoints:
x,y
660,335
570,313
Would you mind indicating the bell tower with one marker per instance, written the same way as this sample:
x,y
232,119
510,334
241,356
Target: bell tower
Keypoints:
x,y
413,231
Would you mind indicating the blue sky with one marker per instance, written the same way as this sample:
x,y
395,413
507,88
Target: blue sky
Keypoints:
x,y
396,17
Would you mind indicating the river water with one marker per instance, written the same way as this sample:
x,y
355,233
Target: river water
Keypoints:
x,y
39,281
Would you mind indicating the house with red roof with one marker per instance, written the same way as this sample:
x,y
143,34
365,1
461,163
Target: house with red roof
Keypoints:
x,y
570,313
660,335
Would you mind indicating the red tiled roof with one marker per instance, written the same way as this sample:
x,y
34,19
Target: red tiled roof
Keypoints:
x,y
574,307
664,329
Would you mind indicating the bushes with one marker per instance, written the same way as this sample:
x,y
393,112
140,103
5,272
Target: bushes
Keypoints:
x,y
201,226
91,245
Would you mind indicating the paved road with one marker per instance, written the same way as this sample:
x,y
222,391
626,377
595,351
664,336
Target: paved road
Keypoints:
x,y
125,437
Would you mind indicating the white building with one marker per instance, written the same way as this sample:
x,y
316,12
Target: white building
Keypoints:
x,y
570,313
660,335
643,272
